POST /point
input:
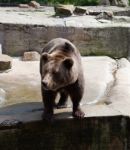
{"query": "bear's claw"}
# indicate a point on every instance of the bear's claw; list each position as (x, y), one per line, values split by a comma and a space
(78, 114)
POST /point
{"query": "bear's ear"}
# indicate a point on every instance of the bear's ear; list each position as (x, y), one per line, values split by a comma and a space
(67, 47)
(45, 56)
(68, 63)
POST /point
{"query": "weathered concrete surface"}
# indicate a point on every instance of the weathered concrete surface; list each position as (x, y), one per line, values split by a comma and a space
(28, 29)
(120, 93)
(98, 72)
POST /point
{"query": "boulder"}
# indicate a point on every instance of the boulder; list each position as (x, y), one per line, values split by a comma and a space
(124, 3)
(105, 15)
(80, 10)
(5, 62)
(96, 12)
(31, 56)
(34, 4)
(64, 10)
(121, 3)
(93, 12)
(23, 6)
(104, 2)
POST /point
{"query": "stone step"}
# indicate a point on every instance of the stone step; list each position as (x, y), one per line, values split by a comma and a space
(92, 36)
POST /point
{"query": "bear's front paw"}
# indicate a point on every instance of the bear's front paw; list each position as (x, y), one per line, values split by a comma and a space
(78, 114)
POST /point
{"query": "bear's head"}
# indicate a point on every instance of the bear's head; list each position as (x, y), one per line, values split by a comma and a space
(57, 71)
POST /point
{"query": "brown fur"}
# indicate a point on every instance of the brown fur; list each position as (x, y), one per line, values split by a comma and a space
(61, 71)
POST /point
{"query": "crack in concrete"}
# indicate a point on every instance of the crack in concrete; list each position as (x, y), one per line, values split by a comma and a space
(111, 88)
(107, 91)
(111, 84)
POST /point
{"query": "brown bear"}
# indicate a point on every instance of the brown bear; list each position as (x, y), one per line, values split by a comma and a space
(61, 72)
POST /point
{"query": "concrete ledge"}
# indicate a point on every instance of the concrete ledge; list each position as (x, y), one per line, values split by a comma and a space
(91, 133)
(30, 30)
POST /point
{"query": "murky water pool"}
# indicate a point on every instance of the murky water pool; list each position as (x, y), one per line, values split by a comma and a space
(17, 93)
(21, 84)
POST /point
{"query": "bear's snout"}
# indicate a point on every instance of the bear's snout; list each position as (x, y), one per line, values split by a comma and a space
(48, 83)
(44, 83)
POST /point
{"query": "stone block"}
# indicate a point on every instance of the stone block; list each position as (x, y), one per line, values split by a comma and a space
(34, 4)
(105, 15)
(93, 12)
(80, 10)
(64, 10)
(31, 56)
(104, 2)
(92, 36)
(5, 62)
(121, 3)
(23, 6)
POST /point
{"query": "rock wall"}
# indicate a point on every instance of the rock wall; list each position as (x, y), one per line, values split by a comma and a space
(111, 41)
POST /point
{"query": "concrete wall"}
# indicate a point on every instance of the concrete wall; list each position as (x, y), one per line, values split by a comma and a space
(111, 133)
(112, 41)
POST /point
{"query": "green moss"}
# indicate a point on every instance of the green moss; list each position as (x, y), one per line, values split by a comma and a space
(75, 2)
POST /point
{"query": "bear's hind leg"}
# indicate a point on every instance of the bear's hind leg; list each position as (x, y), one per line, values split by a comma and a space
(63, 100)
